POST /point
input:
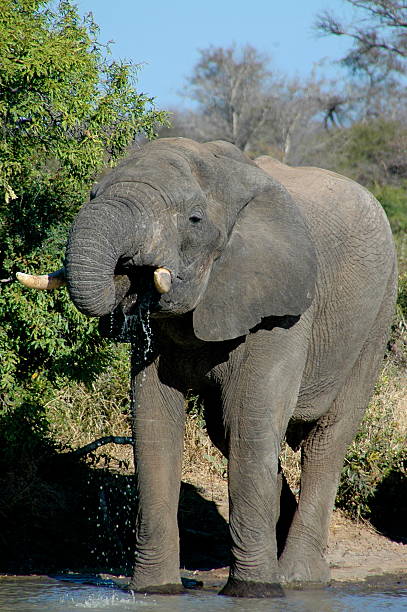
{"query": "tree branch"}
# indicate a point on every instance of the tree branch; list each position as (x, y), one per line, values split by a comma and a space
(88, 448)
(383, 15)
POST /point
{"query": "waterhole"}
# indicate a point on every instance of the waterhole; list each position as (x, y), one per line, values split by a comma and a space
(25, 594)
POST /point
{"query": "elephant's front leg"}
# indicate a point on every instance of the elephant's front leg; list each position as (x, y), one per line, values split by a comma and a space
(158, 428)
(256, 412)
(254, 503)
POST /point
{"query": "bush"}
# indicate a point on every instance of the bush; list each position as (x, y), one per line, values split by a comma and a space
(394, 201)
(66, 113)
(378, 452)
(370, 152)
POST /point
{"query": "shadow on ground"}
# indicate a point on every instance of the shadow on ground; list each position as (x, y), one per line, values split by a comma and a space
(389, 504)
(64, 515)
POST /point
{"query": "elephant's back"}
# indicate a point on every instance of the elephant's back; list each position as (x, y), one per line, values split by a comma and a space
(337, 210)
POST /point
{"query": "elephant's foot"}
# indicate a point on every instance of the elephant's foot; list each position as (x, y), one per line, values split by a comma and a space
(304, 569)
(161, 579)
(158, 589)
(169, 588)
(243, 588)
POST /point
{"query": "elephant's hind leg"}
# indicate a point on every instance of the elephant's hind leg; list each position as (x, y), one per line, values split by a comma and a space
(323, 452)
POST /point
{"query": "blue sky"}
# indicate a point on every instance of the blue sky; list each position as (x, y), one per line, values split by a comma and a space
(166, 36)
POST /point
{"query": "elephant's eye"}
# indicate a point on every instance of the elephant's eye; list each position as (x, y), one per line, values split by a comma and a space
(196, 217)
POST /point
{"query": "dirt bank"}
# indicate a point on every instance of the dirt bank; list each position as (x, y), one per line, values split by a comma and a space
(357, 552)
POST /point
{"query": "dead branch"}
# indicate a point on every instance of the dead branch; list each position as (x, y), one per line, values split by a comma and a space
(88, 448)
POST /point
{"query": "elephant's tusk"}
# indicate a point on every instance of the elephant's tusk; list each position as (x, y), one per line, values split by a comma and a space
(45, 281)
(162, 280)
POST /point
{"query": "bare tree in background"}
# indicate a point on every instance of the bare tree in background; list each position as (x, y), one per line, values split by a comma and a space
(300, 107)
(378, 56)
(380, 37)
(239, 99)
(371, 147)
(229, 87)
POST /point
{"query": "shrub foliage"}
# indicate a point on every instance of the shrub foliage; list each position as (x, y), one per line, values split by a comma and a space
(66, 113)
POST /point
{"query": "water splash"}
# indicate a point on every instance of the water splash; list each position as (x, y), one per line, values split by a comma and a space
(113, 498)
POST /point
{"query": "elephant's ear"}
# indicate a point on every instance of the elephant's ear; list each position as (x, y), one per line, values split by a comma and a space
(268, 268)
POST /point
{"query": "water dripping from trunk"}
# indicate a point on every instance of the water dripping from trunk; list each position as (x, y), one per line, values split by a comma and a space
(114, 542)
(141, 355)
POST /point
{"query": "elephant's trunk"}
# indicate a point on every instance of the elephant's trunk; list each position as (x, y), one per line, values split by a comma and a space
(114, 227)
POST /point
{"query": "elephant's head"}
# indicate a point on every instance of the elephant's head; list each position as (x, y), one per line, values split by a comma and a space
(219, 237)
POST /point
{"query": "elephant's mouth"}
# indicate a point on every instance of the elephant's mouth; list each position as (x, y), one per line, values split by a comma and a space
(136, 291)
(136, 297)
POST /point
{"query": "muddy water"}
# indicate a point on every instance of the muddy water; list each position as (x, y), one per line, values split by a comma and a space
(26, 594)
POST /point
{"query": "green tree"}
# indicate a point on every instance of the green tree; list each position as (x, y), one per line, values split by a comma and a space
(66, 112)
(373, 152)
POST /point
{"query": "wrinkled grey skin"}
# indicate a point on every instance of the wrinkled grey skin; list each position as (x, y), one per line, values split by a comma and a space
(283, 287)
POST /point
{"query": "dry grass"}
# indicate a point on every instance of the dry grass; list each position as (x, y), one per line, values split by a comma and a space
(383, 431)
(291, 465)
(391, 396)
(385, 421)
(204, 466)
(199, 453)
(79, 415)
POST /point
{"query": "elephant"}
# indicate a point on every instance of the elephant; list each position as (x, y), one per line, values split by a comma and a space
(269, 292)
